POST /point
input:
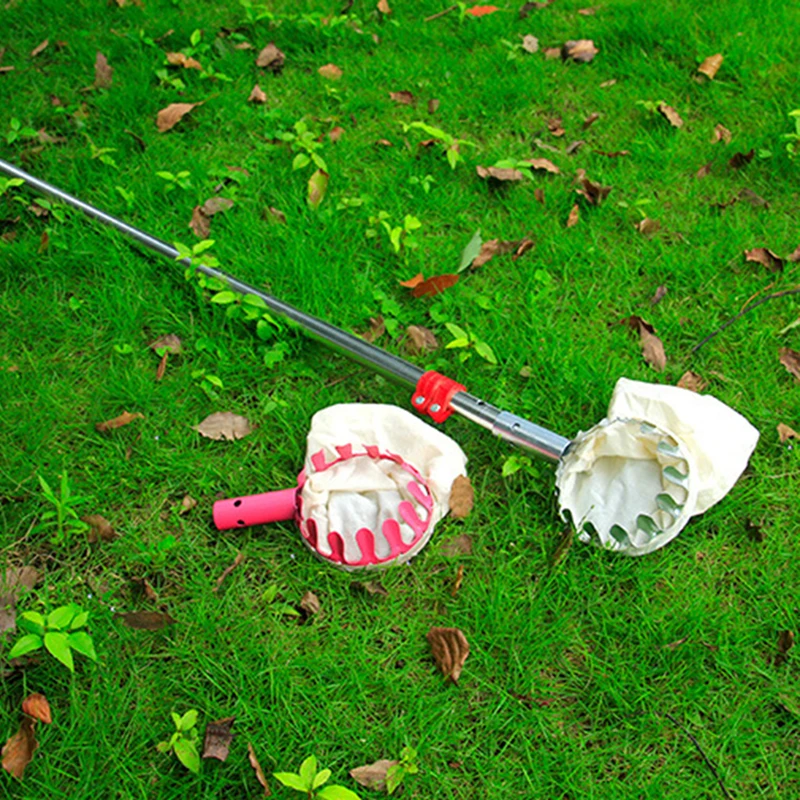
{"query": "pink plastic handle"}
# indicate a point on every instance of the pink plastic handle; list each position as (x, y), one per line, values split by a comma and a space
(255, 509)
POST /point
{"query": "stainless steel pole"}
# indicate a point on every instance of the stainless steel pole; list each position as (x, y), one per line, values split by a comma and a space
(522, 432)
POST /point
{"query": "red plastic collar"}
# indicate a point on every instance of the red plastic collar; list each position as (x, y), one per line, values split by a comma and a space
(433, 395)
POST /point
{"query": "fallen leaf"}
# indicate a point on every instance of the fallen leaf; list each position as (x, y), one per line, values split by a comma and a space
(481, 11)
(580, 50)
(552, 52)
(587, 12)
(794, 257)
(271, 58)
(373, 776)
(44, 242)
(377, 327)
(370, 587)
(462, 497)
(276, 214)
(692, 381)
(660, 294)
(785, 644)
(317, 186)
(574, 216)
(309, 602)
(227, 571)
(100, 529)
(555, 127)
(753, 199)
(613, 153)
(450, 649)
(765, 257)
(606, 84)
(500, 173)
(492, 248)
(334, 134)
(545, 164)
(595, 193)
(676, 644)
(404, 98)
(710, 65)
(522, 247)
(187, 504)
(224, 425)
(704, 171)
(785, 433)
(19, 749)
(125, 418)
(218, 738)
(791, 360)
(671, 115)
(6, 68)
(146, 620)
(420, 340)
(533, 6)
(652, 347)
(411, 283)
(251, 755)
(170, 116)
(590, 120)
(435, 285)
(36, 706)
(384, 143)
(11, 580)
(214, 205)
(243, 46)
(459, 579)
(457, 546)
(103, 73)
(647, 226)
(433, 105)
(538, 195)
(182, 60)
(200, 224)
(169, 343)
(530, 44)
(740, 160)
(144, 586)
(720, 134)
(383, 7)
(257, 95)
(330, 71)
(39, 48)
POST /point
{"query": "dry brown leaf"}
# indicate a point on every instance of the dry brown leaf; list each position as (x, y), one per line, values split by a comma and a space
(36, 706)
(786, 433)
(785, 644)
(462, 497)
(309, 602)
(125, 418)
(373, 776)
(377, 327)
(383, 7)
(257, 95)
(704, 171)
(44, 242)
(224, 425)
(791, 360)
(169, 343)
(6, 68)
(676, 644)
(100, 529)
(574, 216)
(555, 127)
(720, 134)
(753, 199)
(652, 347)
(490, 249)
(457, 546)
(404, 98)
(647, 226)
(435, 285)
(275, 214)
(710, 65)
(499, 173)
(530, 44)
(552, 52)
(587, 12)
(218, 738)
(794, 257)
(330, 71)
(103, 73)
(271, 58)
(251, 755)
(538, 195)
(590, 120)
(573, 147)
(187, 504)
(370, 587)
(613, 153)
(740, 160)
(765, 257)
(458, 580)
(19, 749)
(182, 60)
(243, 46)
(39, 48)
(170, 116)
(522, 247)
(227, 571)
(544, 163)
(433, 105)
(660, 294)
(214, 205)
(200, 224)
(450, 649)
(420, 340)
(606, 84)
(144, 586)
(533, 6)
(146, 620)
(334, 134)
(671, 115)
(580, 50)
(692, 381)
(411, 283)
(595, 193)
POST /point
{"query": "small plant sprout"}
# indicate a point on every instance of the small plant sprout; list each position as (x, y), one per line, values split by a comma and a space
(451, 144)
(308, 781)
(62, 518)
(9, 183)
(467, 341)
(400, 236)
(127, 196)
(178, 180)
(16, 131)
(183, 741)
(193, 253)
(208, 383)
(60, 632)
(391, 311)
(103, 154)
(406, 766)
(519, 463)
(793, 139)
(424, 182)
(305, 143)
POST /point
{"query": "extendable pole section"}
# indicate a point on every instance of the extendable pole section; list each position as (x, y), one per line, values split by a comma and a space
(434, 394)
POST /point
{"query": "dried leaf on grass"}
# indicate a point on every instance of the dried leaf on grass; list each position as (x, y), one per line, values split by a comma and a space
(765, 257)
(251, 755)
(499, 173)
(791, 360)
(420, 340)
(740, 160)
(692, 381)
(170, 116)
(40, 48)
(218, 738)
(652, 347)
(309, 602)
(544, 163)
(145, 620)
(704, 171)
(574, 216)
(459, 579)
(711, 65)
(481, 11)
(432, 286)
(370, 587)
(373, 776)
(182, 60)
(168, 343)
(271, 58)
(555, 127)
(257, 95)
(785, 433)
(100, 529)
(457, 546)
(785, 644)
(595, 193)
(103, 73)
(580, 50)
(530, 44)
(11, 581)
(720, 134)
(462, 497)
(660, 294)
(405, 98)
(450, 649)
(275, 215)
(36, 706)
(330, 71)
(125, 418)
(590, 120)
(377, 327)
(187, 504)
(19, 749)
(613, 153)
(671, 115)
(492, 248)
(383, 7)
(224, 425)
(647, 227)
(522, 247)
(227, 571)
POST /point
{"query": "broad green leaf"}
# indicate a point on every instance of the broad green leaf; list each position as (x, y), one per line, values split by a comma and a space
(453, 157)
(61, 617)
(79, 621)
(308, 769)
(167, 176)
(336, 793)
(319, 162)
(188, 755)
(254, 300)
(457, 343)
(317, 186)
(485, 352)
(31, 621)
(164, 747)
(394, 777)
(176, 718)
(82, 642)
(223, 298)
(300, 160)
(188, 720)
(57, 645)
(291, 780)
(511, 465)
(194, 39)
(322, 777)
(458, 333)
(471, 251)
(411, 223)
(25, 644)
(394, 238)
(201, 247)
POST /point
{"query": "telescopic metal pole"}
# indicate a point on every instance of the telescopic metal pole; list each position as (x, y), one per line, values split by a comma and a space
(519, 431)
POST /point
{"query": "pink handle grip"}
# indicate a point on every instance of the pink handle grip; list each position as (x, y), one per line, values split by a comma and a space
(255, 509)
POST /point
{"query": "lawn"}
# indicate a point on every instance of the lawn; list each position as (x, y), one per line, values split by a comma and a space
(590, 674)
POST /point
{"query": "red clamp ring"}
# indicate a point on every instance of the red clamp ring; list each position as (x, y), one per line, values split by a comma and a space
(433, 395)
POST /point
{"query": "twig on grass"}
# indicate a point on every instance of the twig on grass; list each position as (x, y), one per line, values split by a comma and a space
(440, 13)
(700, 750)
(741, 314)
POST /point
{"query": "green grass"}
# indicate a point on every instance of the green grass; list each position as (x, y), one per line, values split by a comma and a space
(569, 683)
